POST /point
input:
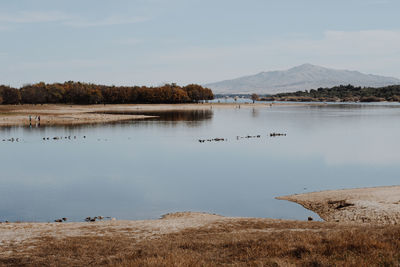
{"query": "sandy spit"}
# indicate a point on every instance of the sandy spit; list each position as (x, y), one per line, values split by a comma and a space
(378, 205)
(17, 115)
(68, 119)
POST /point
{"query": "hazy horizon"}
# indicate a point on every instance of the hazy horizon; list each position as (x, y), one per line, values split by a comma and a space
(155, 42)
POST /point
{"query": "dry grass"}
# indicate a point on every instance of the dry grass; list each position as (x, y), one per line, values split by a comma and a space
(238, 242)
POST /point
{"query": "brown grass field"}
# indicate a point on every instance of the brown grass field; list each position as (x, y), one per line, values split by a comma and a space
(225, 242)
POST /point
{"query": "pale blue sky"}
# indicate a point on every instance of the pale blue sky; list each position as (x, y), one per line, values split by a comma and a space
(151, 42)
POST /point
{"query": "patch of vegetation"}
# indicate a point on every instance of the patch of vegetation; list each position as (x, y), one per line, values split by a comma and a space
(87, 93)
(342, 93)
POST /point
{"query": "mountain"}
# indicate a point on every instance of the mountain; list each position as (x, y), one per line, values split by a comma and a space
(303, 77)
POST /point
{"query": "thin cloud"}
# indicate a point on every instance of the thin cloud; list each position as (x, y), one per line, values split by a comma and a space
(4, 28)
(377, 2)
(128, 41)
(109, 21)
(24, 17)
(372, 42)
(60, 65)
(33, 17)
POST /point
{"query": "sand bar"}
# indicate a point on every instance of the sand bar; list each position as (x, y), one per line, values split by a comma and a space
(378, 205)
(18, 115)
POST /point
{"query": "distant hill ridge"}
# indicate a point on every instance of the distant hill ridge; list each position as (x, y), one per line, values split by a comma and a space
(303, 77)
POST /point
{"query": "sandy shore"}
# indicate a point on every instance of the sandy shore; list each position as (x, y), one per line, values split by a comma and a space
(378, 205)
(11, 233)
(16, 115)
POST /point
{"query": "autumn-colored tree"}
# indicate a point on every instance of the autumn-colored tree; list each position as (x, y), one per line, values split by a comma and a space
(10, 95)
(85, 93)
(34, 94)
(55, 93)
(1, 95)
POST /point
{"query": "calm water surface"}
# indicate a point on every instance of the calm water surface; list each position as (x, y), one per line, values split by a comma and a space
(143, 169)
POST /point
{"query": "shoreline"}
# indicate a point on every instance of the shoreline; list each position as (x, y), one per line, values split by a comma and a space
(372, 205)
(203, 239)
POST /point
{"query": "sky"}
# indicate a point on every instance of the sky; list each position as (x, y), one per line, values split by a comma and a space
(152, 42)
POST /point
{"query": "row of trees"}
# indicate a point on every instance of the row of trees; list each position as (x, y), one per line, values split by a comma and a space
(87, 93)
(345, 93)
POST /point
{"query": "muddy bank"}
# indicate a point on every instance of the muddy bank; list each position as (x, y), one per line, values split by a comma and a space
(378, 205)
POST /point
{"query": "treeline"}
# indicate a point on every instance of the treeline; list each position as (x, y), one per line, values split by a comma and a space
(342, 93)
(87, 93)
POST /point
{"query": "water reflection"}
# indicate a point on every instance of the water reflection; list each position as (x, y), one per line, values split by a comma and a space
(190, 118)
(172, 117)
(254, 112)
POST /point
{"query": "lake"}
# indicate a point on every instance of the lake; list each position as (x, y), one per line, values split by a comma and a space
(143, 169)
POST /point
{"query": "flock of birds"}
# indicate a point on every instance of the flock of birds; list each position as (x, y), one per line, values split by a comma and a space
(248, 136)
(240, 137)
(213, 140)
(200, 140)
(277, 134)
(61, 137)
(55, 138)
(87, 219)
(12, 140)
(93, 219)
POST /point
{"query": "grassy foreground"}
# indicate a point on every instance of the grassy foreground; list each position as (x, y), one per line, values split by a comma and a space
(238, 242)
